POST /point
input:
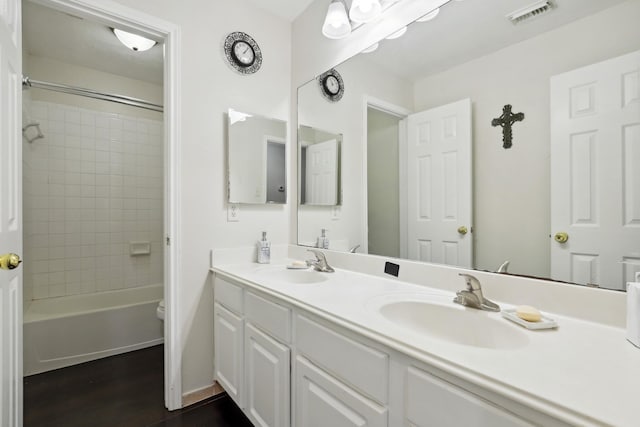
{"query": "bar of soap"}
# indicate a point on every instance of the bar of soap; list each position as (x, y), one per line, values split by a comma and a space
(528, 313)
(298, 263)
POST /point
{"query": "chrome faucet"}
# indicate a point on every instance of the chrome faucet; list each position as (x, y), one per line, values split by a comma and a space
(472, 296)
(503, 267)
(320, 263)
(354, 249)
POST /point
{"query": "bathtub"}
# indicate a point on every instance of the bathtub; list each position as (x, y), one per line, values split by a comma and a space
(65, 331)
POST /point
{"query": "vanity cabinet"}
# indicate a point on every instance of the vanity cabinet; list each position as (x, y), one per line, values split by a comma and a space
(252, 361)
(267, 369)
(228, 352)
(431, 401)
(285, 366)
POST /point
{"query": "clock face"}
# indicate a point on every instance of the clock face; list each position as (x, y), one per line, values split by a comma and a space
(242, 52)
(331, 85)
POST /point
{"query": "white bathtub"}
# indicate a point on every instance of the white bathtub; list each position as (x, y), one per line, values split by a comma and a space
(65, 331)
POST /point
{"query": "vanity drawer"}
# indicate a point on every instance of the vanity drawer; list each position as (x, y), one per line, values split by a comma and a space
(272, 318)
(360, 366)
(229, 295)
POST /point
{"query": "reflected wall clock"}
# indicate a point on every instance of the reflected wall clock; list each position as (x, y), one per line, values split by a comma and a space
(331, 85)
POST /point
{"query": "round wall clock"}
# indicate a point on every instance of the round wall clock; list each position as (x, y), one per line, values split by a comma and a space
(331, 85)
(242, 52)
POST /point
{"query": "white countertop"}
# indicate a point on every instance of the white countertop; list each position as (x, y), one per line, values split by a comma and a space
(583, 373)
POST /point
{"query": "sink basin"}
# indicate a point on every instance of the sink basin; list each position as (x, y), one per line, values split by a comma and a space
(455, 324)
(295, 276)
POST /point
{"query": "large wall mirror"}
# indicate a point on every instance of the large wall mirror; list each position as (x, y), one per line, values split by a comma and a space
(256, 158)
(426, 176)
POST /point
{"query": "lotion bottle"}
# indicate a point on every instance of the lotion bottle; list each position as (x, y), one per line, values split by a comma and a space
(264, 249)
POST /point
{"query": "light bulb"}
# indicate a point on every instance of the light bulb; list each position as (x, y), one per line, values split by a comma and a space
(336, 23)
(363, 11)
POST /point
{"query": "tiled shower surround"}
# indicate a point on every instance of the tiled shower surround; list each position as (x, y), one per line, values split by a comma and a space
(92, 186)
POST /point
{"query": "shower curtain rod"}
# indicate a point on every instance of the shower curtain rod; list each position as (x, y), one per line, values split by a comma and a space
(56, 87)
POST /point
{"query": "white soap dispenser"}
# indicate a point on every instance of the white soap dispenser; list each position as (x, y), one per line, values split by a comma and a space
(323, 241)
(264, 249)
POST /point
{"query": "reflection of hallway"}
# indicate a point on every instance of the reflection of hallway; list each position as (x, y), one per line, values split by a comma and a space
(124, 390)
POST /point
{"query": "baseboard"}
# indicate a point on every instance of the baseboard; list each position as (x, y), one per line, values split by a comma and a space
(201, 394)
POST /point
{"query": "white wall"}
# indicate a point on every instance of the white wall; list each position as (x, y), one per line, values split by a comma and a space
(208, 88)
(383, 187)
(511, 187)
(347, 118)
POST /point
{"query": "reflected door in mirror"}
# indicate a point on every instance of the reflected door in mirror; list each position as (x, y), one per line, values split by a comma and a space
(322, 173)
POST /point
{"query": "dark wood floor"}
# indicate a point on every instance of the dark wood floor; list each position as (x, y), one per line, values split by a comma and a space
(124, 390)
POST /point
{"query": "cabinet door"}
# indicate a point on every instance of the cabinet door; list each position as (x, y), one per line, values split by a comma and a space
(322, 401)
(228, 352)
(430, 401)
(268, 379)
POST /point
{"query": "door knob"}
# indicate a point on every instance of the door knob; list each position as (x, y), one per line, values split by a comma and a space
(9, 261)
(561, 237)
(462, 230)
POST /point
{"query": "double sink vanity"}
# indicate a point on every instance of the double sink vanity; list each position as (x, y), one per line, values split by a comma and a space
(309, 348)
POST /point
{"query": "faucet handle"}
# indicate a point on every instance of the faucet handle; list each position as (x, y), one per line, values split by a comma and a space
(473, 284)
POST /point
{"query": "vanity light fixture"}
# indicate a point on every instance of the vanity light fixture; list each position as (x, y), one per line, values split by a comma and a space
(133, 41)
(363, 11)
(336, 23)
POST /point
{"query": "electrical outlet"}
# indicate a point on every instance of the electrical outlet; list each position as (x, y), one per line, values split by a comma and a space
(233, 212)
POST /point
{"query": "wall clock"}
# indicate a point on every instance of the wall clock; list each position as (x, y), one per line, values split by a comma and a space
(331, 85)
(242, 52)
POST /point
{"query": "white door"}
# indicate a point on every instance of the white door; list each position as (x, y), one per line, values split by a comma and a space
(268, 379)
(10, 213)
(439, 206)
(322, 173)
(595, 173)
(228, 352)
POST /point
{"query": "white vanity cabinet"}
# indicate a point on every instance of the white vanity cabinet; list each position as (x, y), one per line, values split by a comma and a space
(431, 401)
(285, 366)
(252, 358)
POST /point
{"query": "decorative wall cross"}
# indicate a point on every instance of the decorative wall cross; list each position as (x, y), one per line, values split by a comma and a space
(506, 120)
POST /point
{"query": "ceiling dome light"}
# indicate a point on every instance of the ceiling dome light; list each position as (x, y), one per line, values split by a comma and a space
(429, 16)
(363, 11)
(133, 41)
(336, 23)
(371, 48)
(397, 34)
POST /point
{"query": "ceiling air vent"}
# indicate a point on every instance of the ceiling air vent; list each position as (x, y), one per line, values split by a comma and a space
(529, 12)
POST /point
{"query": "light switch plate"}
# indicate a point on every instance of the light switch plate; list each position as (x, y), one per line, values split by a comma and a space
(233, 212)
(335, 213)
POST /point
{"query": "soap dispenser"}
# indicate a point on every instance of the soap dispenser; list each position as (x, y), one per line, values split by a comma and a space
(264, 249)
(323, 241)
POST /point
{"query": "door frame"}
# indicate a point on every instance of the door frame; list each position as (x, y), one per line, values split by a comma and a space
(114, 14)
(401, 113)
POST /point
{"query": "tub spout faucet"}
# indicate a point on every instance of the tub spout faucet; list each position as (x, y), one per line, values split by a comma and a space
(320, 263)
(472, 296)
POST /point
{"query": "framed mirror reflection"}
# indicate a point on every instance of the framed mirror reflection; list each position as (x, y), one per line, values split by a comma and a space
(426, 175)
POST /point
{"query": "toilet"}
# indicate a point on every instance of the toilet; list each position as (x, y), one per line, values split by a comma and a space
(160, 310)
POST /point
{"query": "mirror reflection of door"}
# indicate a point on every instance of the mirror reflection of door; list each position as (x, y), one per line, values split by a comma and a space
(322, 173)
(439, 185)
(276, 172)
(595, 180)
